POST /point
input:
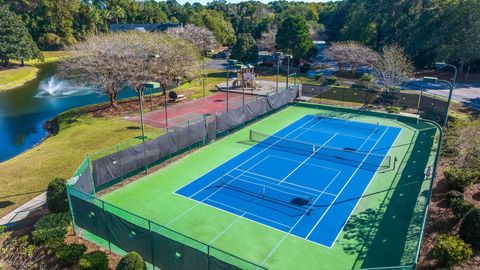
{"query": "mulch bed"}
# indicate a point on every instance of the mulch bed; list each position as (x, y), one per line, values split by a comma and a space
(441, 221)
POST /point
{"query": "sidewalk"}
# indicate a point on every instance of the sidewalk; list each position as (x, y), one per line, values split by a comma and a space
(25, 212)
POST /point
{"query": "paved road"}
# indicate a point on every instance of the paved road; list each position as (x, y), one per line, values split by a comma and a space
(220, 64)
(466, 93)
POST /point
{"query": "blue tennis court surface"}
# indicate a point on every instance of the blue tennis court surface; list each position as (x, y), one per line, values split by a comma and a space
(304, 180)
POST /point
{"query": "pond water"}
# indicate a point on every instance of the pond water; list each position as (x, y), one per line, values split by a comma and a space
(24, 110)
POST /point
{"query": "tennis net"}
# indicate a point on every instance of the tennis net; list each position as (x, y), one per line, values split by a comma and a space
(282, 195)
(355, 158)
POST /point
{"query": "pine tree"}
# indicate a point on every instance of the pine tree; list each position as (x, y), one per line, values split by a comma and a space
(15, 41)
(293, 37)
(245, 50)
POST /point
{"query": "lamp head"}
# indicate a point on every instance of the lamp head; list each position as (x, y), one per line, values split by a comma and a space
(440, 65)
(430, 79)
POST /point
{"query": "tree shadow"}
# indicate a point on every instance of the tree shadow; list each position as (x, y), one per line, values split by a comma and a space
(388, 235)
(4, 204)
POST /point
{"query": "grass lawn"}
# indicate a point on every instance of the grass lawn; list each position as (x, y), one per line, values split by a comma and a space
(12, 78)
(194, 88)
(26, 175)
(283, 78)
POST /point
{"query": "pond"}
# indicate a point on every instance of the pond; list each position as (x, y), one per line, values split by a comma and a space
(24, 110)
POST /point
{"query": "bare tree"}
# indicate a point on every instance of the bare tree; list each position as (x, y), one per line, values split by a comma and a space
(393, 67)
(110, 62)
(200, 36)
(351, 53)
(267, 41)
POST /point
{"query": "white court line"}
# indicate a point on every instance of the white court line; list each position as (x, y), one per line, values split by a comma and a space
(263, 150)
(244, 213)
(331, 132)
(249, 220)
(309, 157)
(268, 182)
(309, 164)
(348, 181)
(289, 183)
(365, 190)
(226, 229)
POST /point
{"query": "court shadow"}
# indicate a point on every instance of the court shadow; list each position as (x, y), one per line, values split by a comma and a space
(388, 235)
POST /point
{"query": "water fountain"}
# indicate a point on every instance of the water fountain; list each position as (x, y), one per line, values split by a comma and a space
(54, 87)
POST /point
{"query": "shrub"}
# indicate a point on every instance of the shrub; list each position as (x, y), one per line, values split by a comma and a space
(459, 179)
(357, 86)
(95, 260)
(331, 81)
(460, 207)
(450, 250)
(366, 78)
(454, 194)
(70, 254)
(57, 201)
(318, 76)
(53, 226)
(132, 261)
(470, 228)
(392, 109)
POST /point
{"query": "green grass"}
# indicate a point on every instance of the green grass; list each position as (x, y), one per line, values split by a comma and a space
(383, 231)
(28, 174)
(12, 78)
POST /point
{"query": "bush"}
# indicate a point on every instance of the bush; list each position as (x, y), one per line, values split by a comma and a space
(357, 86)
(95, 260)
(318, 76)
(70, 254)
(460, 179)
(454, 194)
(392, 109)
(132, 261)
(57, 201)
(53, 226)
(331, 81)
(460, 207)
(470, 228)
(450, 250)
(366, 78)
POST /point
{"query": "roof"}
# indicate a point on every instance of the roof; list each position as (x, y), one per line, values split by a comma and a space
(143, 27)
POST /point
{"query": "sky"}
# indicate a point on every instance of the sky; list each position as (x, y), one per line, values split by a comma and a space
(236, 1)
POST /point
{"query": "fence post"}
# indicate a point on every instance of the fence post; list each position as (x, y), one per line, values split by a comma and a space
(152, 247)
(120, 160)
(106, 227)
(208, 256)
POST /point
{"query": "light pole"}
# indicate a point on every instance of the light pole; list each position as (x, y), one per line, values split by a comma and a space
(278, 54)
(436, 80)
(228, 69)
(442, 65)
(288, 56)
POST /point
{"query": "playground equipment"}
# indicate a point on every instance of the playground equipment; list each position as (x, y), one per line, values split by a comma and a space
(246, 75)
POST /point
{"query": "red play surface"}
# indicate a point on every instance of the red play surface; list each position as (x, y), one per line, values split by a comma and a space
(183, 112)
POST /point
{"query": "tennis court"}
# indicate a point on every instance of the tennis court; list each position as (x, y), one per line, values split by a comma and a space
(305, 180)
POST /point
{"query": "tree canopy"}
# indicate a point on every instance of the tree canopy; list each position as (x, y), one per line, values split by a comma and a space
(15, 41)
(245, 50)
(429, 30)
(293, 37)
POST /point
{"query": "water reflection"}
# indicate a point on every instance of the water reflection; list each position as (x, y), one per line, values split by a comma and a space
(24, 110)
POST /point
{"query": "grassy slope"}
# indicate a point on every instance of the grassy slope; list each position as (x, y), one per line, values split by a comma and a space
(254, 242)
(12, 78)
(26, 175)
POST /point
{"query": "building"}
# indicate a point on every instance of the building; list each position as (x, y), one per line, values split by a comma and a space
(153, 27)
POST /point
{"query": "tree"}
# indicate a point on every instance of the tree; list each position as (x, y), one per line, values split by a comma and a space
(15, 41)
(267, 41)
(393, 67)
(215, 21)
(351, 53)
(293, 37)
(110, 62)
(245, 50)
